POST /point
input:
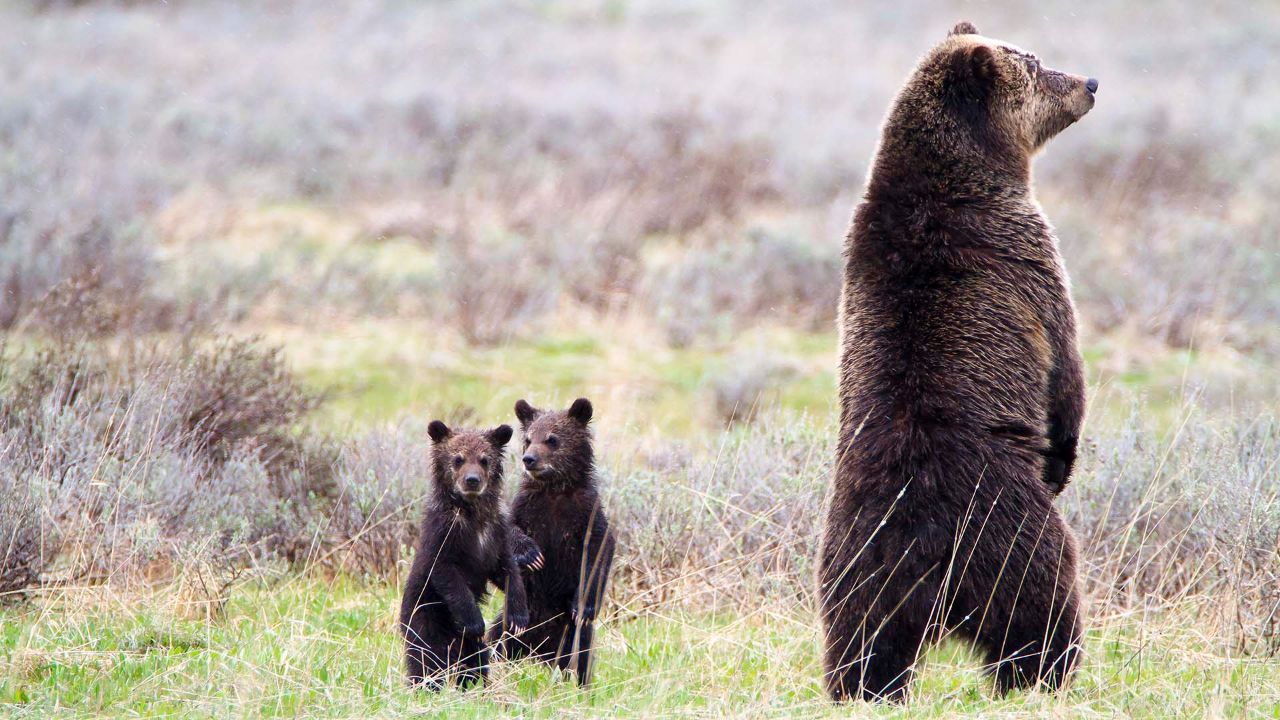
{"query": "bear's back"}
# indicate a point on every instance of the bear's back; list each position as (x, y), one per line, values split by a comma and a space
(939, 319)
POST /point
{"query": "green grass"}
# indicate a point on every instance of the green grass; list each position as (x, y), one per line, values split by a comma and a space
(307, 647)
(379, 371)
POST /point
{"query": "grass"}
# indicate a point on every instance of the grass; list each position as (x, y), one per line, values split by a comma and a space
(378, 371)
(328, 648)
(311, 175)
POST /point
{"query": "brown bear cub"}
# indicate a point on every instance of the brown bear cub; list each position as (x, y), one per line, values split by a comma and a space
(463, 547)
(558, 507)
(961, 388)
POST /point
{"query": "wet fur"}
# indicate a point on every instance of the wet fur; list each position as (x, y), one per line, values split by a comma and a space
(961, 390)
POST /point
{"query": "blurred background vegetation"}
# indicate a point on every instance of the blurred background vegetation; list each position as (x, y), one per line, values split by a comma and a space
(248, 249)
(450, 204)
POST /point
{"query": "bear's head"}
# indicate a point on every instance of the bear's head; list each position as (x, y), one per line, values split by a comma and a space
(557, 443)
(1001, 95)
(467, 464)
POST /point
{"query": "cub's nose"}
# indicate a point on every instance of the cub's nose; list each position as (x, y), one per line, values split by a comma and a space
(471, 483)
(1091, 85)
(529, 461)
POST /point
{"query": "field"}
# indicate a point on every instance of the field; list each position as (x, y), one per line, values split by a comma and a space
(249, 250)
(328, 649)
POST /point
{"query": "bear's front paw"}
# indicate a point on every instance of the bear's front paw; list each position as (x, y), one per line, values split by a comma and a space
(583, 615)
(532, 560)
(473, 625)
(517, 622)
(1055, 474)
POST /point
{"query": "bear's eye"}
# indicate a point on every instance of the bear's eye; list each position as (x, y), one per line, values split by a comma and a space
(484, 463)
(553, 442)
(526, 442)
(457, 461)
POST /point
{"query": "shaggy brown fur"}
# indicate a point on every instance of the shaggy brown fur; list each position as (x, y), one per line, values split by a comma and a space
(961, 387)
(559, 507)
(463, 547)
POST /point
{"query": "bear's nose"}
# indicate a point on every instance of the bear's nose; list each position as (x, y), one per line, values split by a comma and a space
(1091, 85)
(529, 461)
(471, 482)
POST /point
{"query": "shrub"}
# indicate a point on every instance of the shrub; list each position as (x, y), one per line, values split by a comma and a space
(492, 286)
(127, 457)
(382, 481)
(709, 291)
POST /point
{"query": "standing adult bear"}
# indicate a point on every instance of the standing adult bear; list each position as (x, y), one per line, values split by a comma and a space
(961, 386)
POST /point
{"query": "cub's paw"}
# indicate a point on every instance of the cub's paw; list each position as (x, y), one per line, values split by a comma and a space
(531, 560)
(473, 626)
(526, 553)
(517, 623)
(584, 615)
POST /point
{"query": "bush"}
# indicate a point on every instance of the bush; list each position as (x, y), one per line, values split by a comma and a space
(1192, 520)
(28, 541)
(726, 528)
(492, 286)
(123, 459)
(383, 480)
(1195, 517)
(714, 290)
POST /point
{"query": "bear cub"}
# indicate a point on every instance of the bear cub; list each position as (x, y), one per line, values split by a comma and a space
(558, 508)
(464, 546)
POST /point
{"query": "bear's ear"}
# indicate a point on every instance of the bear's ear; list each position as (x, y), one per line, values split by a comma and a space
(580, 410)
(973, 72)
(526, 413)
(500, 436)
(438, 431)
(964, 27)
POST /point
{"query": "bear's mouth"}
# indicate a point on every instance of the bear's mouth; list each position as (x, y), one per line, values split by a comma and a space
(539, 471)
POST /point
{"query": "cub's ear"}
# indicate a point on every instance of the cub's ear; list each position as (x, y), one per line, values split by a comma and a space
(580, 410)
(500, 436)
(438, 431)
(964, 27)
(526, 413)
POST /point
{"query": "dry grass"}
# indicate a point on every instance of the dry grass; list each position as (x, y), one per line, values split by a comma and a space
(480, 163)
(712, 611)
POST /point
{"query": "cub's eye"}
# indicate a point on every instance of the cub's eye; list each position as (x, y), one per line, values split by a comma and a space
(553, 442)
(526, 442)
(457, 461)
(484, 463)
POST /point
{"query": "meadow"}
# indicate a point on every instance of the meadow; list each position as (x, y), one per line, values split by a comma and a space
(249, 250)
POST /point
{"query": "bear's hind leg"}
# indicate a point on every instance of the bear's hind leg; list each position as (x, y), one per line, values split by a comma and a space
(1028, 624)
(472, 664)
(1036, 647)
(425, 664)
(875, 632)
(575, 651)
(874, 665)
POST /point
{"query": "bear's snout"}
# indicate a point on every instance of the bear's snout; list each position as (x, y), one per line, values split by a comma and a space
(471, 483)
(1091, 85)
(530, 461)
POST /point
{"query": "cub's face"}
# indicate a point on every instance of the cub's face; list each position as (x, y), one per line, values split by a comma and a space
(1026, 102)
(556, 443)
(468, 463)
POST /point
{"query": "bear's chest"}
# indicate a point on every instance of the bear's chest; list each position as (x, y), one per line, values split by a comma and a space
(555, 523)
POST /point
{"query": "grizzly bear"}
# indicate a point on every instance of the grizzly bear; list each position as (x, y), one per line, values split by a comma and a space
(558, 506)
(464, 545)
(961, 386)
